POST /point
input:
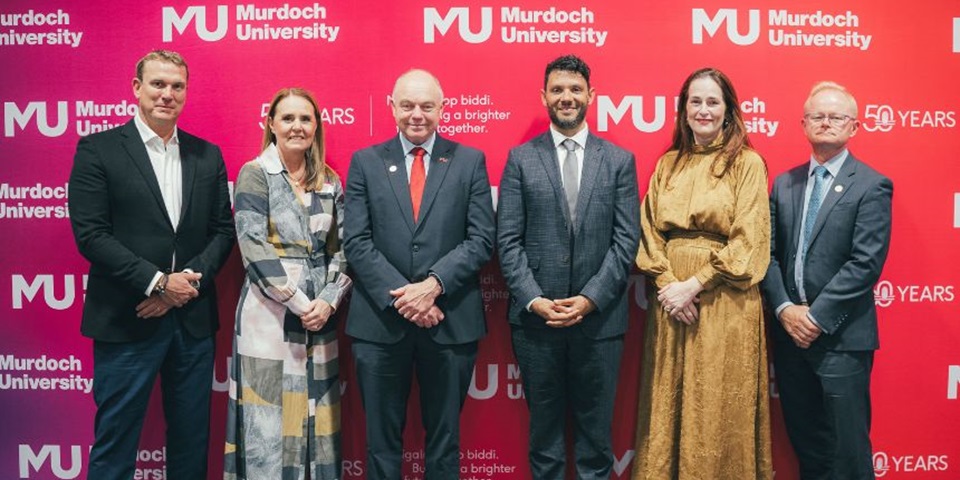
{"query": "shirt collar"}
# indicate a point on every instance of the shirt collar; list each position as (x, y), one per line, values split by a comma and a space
(147, 134)
(833, 165)
(408, 145)
(579, 137)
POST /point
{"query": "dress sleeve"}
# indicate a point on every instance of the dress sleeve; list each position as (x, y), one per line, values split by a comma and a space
(337, 282)
(260, 259)
(652, 255)
(743, 262)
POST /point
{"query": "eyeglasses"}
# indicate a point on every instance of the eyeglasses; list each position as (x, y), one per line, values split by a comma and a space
(835, 120)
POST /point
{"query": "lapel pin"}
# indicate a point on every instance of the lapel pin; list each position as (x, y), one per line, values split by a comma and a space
(393, 168)
(838, 188)
(443, 159)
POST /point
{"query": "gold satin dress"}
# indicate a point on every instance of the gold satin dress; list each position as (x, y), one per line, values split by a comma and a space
(704, 403)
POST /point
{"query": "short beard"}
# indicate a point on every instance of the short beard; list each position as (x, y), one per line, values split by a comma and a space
(567, 124)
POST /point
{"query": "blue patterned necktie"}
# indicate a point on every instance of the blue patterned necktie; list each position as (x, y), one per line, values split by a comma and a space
(816, 199)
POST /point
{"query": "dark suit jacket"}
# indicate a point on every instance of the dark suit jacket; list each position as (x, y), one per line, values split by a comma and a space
(538, 254)
(121, 226)
(848, 247)
(387, 250)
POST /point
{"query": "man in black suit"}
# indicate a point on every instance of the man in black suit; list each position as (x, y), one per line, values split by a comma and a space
(150, 210)
(830, 237)
(418, 226)
(569, 227)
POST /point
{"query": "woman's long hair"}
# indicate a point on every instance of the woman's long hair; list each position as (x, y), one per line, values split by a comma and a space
(318, 172)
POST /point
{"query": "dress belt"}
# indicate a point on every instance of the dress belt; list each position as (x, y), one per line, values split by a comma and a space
(695, 234)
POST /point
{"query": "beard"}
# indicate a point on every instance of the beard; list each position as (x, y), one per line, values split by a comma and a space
(567, 124)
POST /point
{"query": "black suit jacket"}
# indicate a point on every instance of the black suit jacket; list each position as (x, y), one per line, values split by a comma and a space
(121, 226)
(538, 254)
(386, 249)
(848, 248)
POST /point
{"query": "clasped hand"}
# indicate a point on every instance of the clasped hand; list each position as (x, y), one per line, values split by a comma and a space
(795, 321)
(679, 300)
(317, 315)
(179, 290)
(416, 302)
(563, 312)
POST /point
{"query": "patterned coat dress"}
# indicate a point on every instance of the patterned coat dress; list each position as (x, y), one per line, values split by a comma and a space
(284, 408)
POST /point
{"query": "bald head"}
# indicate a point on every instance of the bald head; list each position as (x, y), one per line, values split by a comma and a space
(417, 102)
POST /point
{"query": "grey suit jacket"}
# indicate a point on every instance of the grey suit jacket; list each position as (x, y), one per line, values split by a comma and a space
(386, 249)
(542, 254)
(847, 251)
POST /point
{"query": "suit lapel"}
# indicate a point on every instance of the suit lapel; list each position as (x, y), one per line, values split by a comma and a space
(442, 149)
(841, 185)
(135, 148)
(798, 181)
(188, 167)
(592, 160)
(396, 172)
(551, 164)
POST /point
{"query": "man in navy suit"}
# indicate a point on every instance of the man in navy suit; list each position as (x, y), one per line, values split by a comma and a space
(150, 210)
(418, 225)
(830, 237)
(568, 231)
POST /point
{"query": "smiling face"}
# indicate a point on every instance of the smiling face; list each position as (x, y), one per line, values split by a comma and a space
(293, 124)
(566, 97)
(417, 103)
(705, 109)
(161, 94)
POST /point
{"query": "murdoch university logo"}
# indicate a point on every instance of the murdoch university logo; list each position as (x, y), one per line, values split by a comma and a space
(434, 23)
(609, 111)
(702, 22)
(14, 117)
(50, 458)
(198, 16)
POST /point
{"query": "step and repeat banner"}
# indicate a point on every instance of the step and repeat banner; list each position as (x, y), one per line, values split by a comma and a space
(66, 73)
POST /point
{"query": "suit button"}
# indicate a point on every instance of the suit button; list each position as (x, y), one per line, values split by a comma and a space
(416, 248)
(565, 260)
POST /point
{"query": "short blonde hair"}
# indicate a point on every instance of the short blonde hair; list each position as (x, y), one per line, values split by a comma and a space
(834, 86)
(162, 56)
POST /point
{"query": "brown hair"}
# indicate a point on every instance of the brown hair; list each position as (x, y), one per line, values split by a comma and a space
(162, 56)
(734, 131)
(318, 172)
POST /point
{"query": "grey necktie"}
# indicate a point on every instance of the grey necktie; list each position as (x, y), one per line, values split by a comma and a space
(570, 183)
(816, 199)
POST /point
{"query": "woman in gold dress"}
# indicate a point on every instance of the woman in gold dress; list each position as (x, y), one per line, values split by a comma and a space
(705, 223)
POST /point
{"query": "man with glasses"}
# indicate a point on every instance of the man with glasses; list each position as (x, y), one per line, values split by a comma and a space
(831, 233)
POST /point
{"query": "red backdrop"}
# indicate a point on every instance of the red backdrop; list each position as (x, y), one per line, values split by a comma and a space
(66, 72)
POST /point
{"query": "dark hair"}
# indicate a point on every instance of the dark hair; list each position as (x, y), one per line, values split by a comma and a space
(162, 56)
(734, 131)
(318, 172)
(567, 63)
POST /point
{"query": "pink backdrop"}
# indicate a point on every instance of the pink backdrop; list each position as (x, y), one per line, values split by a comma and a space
(66, 72)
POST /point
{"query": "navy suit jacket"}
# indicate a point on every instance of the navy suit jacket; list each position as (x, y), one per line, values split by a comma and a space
(542, 254)
(848, 247)
(387, 250)
(121, 226)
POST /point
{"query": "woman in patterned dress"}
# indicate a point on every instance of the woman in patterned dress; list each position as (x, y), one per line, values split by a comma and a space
(705, 227)
(284, 411)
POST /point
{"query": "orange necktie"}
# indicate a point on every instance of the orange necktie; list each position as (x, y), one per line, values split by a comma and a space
(418, 176)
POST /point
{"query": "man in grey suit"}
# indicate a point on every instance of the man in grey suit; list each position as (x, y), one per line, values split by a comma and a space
(830, 237)
(418, 226)
(568, 220)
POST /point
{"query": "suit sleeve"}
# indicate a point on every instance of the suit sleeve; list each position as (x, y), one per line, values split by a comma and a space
(773, 285)
(856, 278)
(461, 264)
(511, 226)
(220, 231)
(606, 286)
(259, 256)
(93, 225)
(743, 262)
(373, 272)
(652, 255)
